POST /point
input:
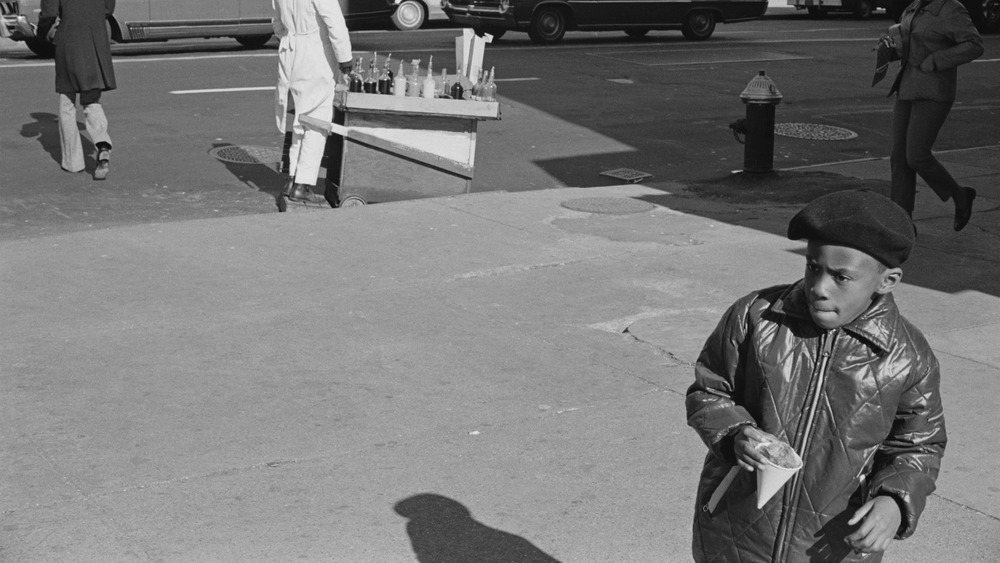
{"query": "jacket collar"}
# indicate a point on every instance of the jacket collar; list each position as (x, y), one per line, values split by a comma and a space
(933, 7)
(876, 326)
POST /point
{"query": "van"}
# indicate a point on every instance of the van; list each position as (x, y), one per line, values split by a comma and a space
(247, 21)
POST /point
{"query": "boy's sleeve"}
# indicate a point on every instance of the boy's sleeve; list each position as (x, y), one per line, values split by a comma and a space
(711, 408)
(907, 464)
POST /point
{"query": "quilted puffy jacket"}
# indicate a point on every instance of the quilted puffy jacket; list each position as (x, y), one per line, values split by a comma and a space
(860, 404)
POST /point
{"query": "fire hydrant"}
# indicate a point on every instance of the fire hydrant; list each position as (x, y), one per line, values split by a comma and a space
(760, 96)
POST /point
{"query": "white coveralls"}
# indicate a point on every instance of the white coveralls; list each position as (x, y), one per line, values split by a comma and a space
(314, 39)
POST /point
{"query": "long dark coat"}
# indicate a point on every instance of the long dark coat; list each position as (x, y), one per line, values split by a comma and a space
(83, 48)
(860, 403)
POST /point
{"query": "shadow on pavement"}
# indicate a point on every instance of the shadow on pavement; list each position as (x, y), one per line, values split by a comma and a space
(443, 530)
(259, 176)
(942, 260)
(45, 128)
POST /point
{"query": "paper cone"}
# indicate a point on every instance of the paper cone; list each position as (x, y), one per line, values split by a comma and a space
(773, 477)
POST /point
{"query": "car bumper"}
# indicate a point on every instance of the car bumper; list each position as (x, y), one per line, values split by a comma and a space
(17, 28)
(500, 16)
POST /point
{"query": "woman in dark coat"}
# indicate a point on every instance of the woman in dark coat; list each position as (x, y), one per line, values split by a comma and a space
(83, 66)
(937, 36)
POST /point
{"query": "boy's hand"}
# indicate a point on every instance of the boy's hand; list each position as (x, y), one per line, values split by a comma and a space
(745, 444)
(880, 518)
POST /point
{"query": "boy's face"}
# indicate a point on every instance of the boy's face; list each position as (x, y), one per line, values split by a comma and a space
(841, 282)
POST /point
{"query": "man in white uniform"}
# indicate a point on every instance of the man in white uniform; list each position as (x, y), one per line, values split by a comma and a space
(314, 40)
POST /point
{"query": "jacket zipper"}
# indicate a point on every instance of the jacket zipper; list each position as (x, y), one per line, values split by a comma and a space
(784, 527)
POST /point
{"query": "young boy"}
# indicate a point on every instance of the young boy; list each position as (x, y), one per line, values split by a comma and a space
(828, 365)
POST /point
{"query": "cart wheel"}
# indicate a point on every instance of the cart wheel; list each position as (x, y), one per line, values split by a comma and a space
(352, 201)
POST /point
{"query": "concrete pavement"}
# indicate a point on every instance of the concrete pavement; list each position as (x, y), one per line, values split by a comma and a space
(489, 377)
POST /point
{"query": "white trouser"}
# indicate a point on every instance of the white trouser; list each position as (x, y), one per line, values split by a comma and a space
(308, 145)
(69, 131)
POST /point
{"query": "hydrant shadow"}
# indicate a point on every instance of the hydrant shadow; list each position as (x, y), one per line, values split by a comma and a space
(442, 530)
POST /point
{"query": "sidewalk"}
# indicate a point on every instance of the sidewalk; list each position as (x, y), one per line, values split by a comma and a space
(342, 385)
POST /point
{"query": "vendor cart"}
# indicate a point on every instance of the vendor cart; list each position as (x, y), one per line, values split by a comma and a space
(389, 148)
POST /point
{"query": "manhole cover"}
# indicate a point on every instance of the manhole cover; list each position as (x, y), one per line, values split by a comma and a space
(613, 205)
(629, 175)
(813, 131)
(242, 154)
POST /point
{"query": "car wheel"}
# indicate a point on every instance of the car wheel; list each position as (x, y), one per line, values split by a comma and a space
(41, 48)
(990, 22)
(253, 40)
(636, 32)
(548, 25)
(410, 15)
(495, 32)
(699, 25)
(862, 9)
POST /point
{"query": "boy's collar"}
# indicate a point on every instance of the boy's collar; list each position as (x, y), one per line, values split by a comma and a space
(875, 326)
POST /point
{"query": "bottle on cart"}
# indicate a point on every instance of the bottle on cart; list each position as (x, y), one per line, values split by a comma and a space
(490, 88)
(442, 88)
(428, 87)
(399, 82)
(357, 82)
(413, 81)
(371, 78)
(457, 92)
(477, 86)
(384, 85)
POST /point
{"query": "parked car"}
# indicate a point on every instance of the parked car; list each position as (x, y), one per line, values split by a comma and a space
(546, 21)
(413, 14)
(984, 13)
(247, 21)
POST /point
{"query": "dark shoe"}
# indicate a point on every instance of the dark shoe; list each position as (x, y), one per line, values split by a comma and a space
(304, 193)
(289, 186)
(963, 209)
(103, 161)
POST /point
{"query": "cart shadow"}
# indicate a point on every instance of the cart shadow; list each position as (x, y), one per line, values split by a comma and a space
(442, 530)
(264, 177)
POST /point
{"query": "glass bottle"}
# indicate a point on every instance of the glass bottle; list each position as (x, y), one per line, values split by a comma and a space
(413, 81)
(399, 82)
(490, 89)
(457, 91)
(442, 88)
(427, 86)
(371, 79)
(384, 85)
(357, 83)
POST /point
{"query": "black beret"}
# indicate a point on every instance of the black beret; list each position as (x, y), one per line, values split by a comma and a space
(860, 219)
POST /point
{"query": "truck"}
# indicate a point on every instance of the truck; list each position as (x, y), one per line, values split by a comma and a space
(246, 21)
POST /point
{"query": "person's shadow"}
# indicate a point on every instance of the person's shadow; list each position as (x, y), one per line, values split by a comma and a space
(442, 530)
(45, 128)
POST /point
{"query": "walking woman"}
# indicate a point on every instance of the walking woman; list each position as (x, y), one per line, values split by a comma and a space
(83, 67)
(314, 42)
(937, 36)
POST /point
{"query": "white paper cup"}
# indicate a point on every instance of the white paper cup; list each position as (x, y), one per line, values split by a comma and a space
(773, 477)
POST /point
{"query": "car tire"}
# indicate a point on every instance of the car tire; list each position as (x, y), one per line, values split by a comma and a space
(253, 40)
(496, 33)
(987, 16)
(547, 26)
(637, 33)
(699, 25)
(862, 9)
(42, 48)
(409, 15)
